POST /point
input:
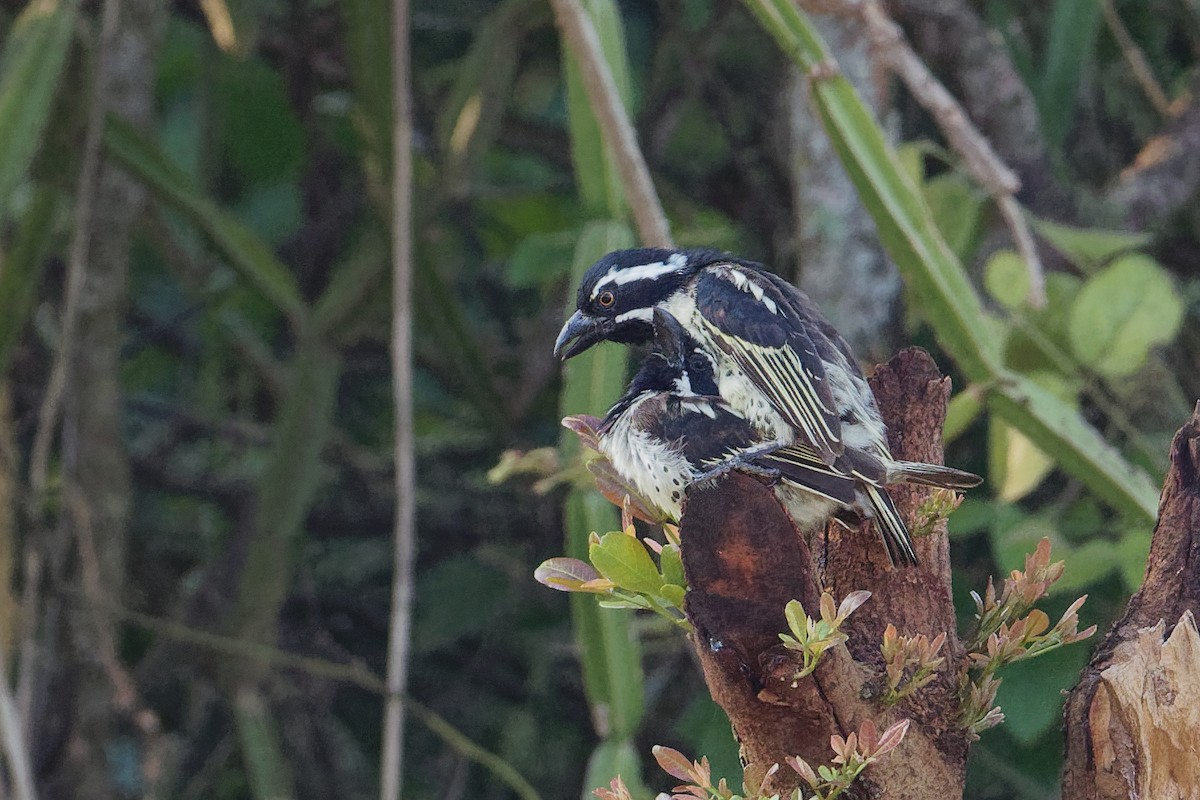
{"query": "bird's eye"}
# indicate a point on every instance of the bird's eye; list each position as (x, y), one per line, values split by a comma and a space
(606, 299)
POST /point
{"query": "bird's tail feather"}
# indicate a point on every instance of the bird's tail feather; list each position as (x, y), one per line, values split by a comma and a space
(931, 475)
(891, 528)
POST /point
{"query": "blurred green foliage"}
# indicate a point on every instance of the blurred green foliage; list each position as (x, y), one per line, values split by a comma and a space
(257, 396)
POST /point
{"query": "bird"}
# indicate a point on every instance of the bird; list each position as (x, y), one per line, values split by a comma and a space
(777, 362)
(671, 430)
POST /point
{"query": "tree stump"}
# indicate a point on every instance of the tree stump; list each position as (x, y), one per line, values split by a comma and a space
(745, 560)
(1133, 721)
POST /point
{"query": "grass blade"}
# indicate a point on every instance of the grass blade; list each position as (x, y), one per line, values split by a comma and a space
(29, 71)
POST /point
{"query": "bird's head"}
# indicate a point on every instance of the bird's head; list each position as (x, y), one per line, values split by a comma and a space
(619, 292)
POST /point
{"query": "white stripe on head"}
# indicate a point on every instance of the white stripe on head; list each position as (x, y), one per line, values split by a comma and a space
(620, 276)
(645, 314)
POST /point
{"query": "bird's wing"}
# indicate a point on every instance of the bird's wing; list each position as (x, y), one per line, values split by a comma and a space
(703, 428)
(759, 328)
(801, 465)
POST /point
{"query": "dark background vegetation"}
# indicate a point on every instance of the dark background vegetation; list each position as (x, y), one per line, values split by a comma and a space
(218, 498)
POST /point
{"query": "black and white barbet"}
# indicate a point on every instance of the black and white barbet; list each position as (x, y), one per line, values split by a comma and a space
(777, 362)
(672, 428)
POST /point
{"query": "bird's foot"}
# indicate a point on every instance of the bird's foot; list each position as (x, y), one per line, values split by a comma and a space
(742, 462)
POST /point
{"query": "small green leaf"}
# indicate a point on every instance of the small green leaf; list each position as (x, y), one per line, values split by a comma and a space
(1089, 248)
(564, 574)
(673, 593)
(1007, 279)
(671, 560)
(1121, 312)
(623, 559)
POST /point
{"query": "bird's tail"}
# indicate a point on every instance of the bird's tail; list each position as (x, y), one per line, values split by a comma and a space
(931, 475)
(893, 530)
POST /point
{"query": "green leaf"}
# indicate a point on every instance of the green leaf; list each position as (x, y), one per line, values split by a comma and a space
(623, 559)
(30, 66)
(1007, 279)
(1089, 248)
(609, 650)
(1121, 312)
(673, 593)
(596, 176)
(612, 758)
(1087, 564)
(1016, 465)
(671, 560)
(1012, 538)
(1059, 429)
(369, 58)
(241, 248)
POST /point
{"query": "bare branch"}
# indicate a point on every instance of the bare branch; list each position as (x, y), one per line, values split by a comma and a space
(400, 623)
(980, 160)
(580, 35)
(1136, 58)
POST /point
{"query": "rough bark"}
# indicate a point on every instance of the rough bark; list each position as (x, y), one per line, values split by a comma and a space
(1132, 724)
(745, 560)
(842, 266)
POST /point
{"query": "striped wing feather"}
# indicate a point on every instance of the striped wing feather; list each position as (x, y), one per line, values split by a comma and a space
(760, 328)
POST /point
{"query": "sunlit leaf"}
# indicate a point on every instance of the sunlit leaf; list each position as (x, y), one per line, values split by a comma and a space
(625, 561)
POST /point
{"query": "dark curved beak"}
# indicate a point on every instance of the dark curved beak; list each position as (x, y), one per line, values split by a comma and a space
(579, 333)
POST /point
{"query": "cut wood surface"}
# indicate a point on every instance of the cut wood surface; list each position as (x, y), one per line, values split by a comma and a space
(1133, 721)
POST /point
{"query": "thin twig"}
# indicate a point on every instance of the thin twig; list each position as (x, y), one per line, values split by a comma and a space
(51, 408)
(400, 622)
(12, 739)
(1142, 72)
(355, 674)
(126, 697)
(580, 35)
(980, 160)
